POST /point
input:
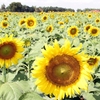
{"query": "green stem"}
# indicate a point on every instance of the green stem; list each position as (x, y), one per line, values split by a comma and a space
(34, 88)
(4, 73)
(28, 72)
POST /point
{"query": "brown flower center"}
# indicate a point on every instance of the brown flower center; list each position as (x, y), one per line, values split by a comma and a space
(61, 23)
(44, 17)
(49, 29)
(92, 61)
(7, 50)
(89, 16)
(73, 31)
(63, 70)
(22, 22)
(30, 23)
(97, 20)
(4, 24)
(94, 31)
(87, 28)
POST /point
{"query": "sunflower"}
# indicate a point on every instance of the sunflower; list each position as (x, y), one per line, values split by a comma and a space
(52, 16)
(5, 18)
(97, 20)
(10, 50)
(89, 15)
(66, 20)
(61, 23)
(94, 31)
(4, 24)
(22, 22)
(44, 18)
(61, 70)
(73, 14)
(41, 13)
(87, 27)
(93, 62)
(31, 22)
(73, 31)
(27, 42)
(49, 28)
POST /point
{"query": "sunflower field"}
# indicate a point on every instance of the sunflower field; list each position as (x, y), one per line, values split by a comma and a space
(50, 56)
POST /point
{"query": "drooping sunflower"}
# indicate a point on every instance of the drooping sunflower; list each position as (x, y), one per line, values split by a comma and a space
(31, 22)
(73, 31)
(94, 31)
(49, 28)
(44, 18)
(22, 22)
(61, 70)
(41, 13)
(87, 27)
(10, 50)
(4, 24)
(61, 23)
(97, 20)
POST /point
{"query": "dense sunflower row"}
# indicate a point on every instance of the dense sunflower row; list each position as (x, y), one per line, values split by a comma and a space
(69, 43)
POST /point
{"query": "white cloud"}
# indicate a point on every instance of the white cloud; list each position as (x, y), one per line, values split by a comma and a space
(82, 1)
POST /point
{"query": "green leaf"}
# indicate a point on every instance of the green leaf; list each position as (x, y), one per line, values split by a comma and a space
(31, 96)
(97, 97)
(1, 99)
(20, 76)
(88, 96)
(76, 42)
(10, 76)
(1, 82)
(12, 91)
(91, 87)
(98, 74)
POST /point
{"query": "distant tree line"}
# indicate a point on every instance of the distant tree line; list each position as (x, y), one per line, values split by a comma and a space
(18, 7)
(87, 10)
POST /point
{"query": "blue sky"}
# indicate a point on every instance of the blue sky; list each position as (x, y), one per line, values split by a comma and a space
(74, 4)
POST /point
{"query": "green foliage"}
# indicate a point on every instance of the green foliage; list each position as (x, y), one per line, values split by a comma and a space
(19, 84)
(15, 7)
(31, 96)
(13, 90)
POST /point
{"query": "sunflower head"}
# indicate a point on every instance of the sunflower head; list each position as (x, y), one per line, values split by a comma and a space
(62, 70)
(49, 28)
(5, 18)
(61, 23)
(66, 20)
(89, 15)
(87, 27)
(94, 31)
(97, 20)
(73, 31)
(52, 16)
(27, 42)
(93, 62)
(22, 22)
(44, 18)
(10, 50)
(31, 22)
(4, 24)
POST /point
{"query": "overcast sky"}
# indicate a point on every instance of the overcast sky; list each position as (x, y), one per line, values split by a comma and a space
(74, 4)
